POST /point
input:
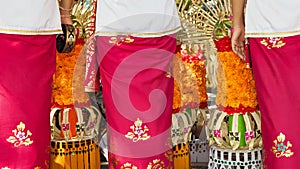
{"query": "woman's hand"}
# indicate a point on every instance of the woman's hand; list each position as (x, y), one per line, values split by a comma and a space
(238, 36)
(238, 41)
(65, 8)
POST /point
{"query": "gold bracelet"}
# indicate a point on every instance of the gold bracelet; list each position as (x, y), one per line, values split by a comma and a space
(65, 9)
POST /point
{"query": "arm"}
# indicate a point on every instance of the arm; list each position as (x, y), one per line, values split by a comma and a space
(238, 12)
(65, 42)
(65, 8)
(238, 36)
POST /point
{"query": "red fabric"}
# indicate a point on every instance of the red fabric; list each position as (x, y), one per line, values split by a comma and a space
(92, 78)
(27, 64)
(276, 72)
(135, 86)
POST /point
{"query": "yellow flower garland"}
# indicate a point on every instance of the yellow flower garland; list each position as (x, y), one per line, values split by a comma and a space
(68, 86)
(236, 85)
(190, 82)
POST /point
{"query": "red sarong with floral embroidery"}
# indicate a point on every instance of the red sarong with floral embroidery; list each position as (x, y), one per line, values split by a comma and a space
(138, 95)
(276, 68)
(27, 64)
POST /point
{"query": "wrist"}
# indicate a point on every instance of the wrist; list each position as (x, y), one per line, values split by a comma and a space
(238, 24)
(65, 6)
(62, 9)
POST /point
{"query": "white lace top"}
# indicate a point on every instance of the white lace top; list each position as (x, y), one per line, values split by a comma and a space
(141, 18)
(272, 18)
(29, 17)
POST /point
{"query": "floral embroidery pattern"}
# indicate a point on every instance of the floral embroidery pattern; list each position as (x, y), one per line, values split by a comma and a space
(156, 164)
(128, 166)
(168, 75)
(121, 40)
(20, 137)
(113, 160)
(139, 131)
(273, 42)
(281, 148)
(169, 155)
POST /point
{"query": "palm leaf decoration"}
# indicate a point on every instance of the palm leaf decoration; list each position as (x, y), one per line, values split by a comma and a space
(83, 17)
(204, 21)
(211, 17)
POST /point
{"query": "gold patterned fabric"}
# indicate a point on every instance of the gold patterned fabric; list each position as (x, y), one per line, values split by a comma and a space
(181, 156)
(75, 154)
(275, 63)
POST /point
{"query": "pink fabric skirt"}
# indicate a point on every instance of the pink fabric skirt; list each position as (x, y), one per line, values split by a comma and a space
(27, 64)
(138, 95)
(276, 68)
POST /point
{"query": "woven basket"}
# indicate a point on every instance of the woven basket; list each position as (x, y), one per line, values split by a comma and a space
(74, 138)
(75, 154)
(238, 159)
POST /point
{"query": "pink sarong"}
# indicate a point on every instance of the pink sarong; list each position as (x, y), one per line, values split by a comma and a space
(138, 95)
(276, 68)
(27, 64)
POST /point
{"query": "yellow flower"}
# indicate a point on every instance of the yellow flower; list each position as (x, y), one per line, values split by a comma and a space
(235, 82)
(68, 80)
(190, 82)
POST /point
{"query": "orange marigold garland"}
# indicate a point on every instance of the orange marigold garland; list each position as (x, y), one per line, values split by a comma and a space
(236, 123)
(190, 97)
(68, 88)
(236, 86)
(189, 73)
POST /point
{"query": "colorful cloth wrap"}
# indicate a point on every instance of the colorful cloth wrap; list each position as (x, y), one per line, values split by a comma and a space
(138, 94)
(27, 65)
(276, 69)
